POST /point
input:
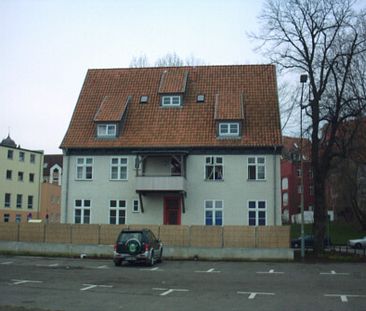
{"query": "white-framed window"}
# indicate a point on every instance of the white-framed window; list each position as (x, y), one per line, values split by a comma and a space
(256, 168)
(19, 200)
(82, 211)
(30, 201)
(285, 198)
(84, 168)
(32, 158)
(21, 156)
(119, 168)
(7, 200)
(228, 129)
(214, 212)
(257, 211)
(171, 100)
(136, 206)
(117, 212)
(284, 183)
(106, 130)
(214, 168)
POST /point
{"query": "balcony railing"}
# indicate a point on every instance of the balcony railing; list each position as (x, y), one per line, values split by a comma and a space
(160, 183)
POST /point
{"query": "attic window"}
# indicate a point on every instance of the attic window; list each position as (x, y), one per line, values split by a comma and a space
(200, 98)
(144, 99)
(106, 130)
(171, 100)
(228, 129)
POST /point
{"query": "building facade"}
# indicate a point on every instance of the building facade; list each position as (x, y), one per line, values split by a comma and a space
(177, 145)
(20, 182)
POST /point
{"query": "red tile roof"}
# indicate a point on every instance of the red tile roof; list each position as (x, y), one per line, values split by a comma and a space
(192, 125)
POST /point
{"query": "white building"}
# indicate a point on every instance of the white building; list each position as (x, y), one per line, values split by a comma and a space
(182, 145)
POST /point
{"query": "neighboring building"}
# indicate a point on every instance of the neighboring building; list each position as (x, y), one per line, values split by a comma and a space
(20, 182)
(51, 188)
(176, 145)
(291, 180)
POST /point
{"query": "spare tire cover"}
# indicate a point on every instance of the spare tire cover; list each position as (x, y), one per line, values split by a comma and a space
(133, 246)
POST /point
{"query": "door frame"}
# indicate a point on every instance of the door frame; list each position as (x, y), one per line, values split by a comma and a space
(166, 215)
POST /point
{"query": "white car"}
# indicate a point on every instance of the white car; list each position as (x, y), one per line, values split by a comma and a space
(357, 243)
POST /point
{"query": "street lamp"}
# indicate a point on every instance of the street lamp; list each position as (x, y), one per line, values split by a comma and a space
(303, 79)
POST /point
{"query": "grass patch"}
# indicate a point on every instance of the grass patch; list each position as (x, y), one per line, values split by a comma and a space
(339, 233)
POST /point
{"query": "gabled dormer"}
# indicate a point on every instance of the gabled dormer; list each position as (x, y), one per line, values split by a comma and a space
(111, 116)
(229, 115)
(172, 87)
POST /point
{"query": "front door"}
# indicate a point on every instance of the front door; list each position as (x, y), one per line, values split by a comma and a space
(172, 211)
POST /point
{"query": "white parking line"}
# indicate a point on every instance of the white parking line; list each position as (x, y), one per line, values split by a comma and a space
(343, 297)
(6, 263)
(91, 286)
(333, 273)
(168, 291)
(18, 282)
(102, 267)
(151, 269)
(212, 270)
(252, 295)
(270, 272)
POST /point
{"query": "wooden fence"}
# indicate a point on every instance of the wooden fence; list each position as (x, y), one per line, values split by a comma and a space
(179, 236)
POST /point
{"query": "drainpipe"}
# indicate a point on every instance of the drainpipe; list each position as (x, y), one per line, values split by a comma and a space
(40, 183)
(65, 183)
(274, 186)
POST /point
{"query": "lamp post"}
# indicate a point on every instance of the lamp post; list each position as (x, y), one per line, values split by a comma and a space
(303, 79)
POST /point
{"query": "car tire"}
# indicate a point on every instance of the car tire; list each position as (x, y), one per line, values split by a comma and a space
(151, 260)
(118, 263)
(160, 259)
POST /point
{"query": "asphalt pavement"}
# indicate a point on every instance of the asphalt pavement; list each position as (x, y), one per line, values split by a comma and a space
(39, 283)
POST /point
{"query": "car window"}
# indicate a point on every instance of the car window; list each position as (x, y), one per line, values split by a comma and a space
(125, 236)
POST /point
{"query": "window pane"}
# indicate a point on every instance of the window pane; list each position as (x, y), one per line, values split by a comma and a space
(260, 160)
(219, 160)
(208, 218)
(122, 204)
(122, 217)
(218, 172)
(251, 172)
(113, 203)
(123, 173)
(123, 160)
(208, 160)
(261, 204)
(114, 160)
(80, 160)
(251, 160)
(224, 128)
(166, 100)
(77, 216)
(208, 204)
(218, 218)
(209, 173)
(89, 171)
(79, 172)
(218, 204)
(176, 100)
(112, 217)
(114, 172)
(89, 161)
(261, 174)
(87, 203)
(86, 216)
(251, 204)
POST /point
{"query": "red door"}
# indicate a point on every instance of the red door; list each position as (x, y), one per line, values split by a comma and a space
(172, 211)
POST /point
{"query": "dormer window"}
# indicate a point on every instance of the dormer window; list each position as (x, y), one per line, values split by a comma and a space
(106, 130)
(229, 129)
(171, 100)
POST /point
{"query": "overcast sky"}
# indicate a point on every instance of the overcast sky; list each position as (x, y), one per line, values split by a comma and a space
(47, 46)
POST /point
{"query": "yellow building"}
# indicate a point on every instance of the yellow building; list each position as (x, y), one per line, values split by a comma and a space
(20, 182)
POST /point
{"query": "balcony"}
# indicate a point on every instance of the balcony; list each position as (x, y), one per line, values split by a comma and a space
(160, 183)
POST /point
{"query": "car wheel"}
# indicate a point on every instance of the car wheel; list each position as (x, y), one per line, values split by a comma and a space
(160, 259)
(358, 245)
(118, 263)
(151, 260)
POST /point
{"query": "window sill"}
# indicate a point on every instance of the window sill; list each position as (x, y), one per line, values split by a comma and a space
(214, 180)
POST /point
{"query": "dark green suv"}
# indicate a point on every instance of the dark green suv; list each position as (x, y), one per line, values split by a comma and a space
(137, 246)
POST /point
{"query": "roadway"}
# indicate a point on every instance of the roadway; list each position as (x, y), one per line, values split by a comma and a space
(40, 283)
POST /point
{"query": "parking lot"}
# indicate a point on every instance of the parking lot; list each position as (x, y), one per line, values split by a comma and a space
(86, 284)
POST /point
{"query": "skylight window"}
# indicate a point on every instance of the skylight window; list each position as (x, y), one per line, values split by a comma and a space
(144, 99)
(200, 98)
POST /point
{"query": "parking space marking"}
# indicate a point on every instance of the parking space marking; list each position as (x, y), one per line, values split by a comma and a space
(151, 269)
(18, 282)
(6, 263)
(344, 298)
(333, 273)
(91, 286)
(252, 295)
(212, 270)
(168, 291)
(270, 272)
(102, 267)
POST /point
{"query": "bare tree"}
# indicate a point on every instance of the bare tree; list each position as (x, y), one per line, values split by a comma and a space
(168, 60)
(325, 39)
(140, 61)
